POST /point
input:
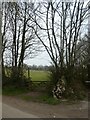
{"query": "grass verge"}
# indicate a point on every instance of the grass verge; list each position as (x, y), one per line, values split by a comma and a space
(13, 91)
(41, 99)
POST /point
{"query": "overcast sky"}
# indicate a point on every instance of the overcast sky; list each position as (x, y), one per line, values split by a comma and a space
(41, 59)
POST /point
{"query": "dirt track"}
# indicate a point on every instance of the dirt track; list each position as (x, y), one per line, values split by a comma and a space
(49, 111)
(11, 112)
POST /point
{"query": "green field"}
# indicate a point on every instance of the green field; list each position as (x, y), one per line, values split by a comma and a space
(37, 75)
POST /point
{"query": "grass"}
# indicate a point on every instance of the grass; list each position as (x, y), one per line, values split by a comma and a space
(22, 94)
(41, 99)
(49, 100)
(37, 75)
(12, 91)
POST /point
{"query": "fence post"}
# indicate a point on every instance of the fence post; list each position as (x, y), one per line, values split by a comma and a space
(28, 73)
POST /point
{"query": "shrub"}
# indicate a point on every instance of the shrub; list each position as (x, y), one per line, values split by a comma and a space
(75, 90)
(73, 87)
(17, 79)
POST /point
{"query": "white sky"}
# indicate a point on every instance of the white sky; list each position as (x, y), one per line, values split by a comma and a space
(41, 59)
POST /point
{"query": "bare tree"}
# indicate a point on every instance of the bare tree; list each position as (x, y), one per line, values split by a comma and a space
(5, 26)
(19, 39)
(23, 42)
(61, 24)
(61, 28)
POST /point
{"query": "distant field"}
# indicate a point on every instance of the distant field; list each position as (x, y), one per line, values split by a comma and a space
(38, 75)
